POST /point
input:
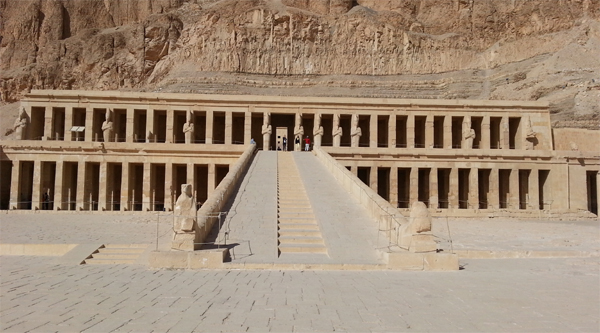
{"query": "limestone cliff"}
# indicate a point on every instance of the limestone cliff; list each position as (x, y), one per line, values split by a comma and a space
(505, 49)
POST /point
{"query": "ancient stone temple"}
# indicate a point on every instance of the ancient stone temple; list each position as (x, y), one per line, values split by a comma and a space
(126, 151)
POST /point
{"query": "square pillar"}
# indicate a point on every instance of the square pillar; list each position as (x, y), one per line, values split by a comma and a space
(129, 126)
(534, 190)
(494, 186)
(354, 170)
(394, 186)
(89, 125)
(209, 127)
(125, 187)
(102, 200)
(15, 179)
(453, 195)
(170, 125)
(68, 125)
(429, 132)
(190, 179)
(447, 132)
(433, 188)
(392, 139)
(513, 189)
(150, 136)
(473, 188)
(485, 133)
(414, 183)
(465, 129)
(373, 132)
(58, 186)
(373, 178)
(37, 183)
(47, 124)
(169, 190)
(247, 127)
(211, 179)
(146, 188)
(410, 134)
(228, 127)
(504, 137)
(81, 186)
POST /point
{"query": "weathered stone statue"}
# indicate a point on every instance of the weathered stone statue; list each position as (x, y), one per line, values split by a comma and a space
(317, 130)
(266, 130)
(530, 135)
(298, 130)
(20, 126)
(185, 210)
(468, 136)
(416, 235)
(337, 131)
(184, 233)
(107, 127)
(188, 129)
(356, 132)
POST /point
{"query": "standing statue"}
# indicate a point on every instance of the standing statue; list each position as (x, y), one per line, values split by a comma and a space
(468, 135)
(298, 129)
(337, 131)
(188, 128)
(20, 126)
(356, 132)
(107, 127)
(185, 213)
(266, 130)
(317, 131)
(530, 135)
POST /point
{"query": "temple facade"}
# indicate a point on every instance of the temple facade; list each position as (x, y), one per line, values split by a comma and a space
(127, 151)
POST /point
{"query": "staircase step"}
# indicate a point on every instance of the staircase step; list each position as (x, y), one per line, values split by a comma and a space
(298, 226)
(307, 248)
(299, 233)
(108, 261)
(301, 240)
(122, 246)
(121, 250)
(102, 255)
(286, 215)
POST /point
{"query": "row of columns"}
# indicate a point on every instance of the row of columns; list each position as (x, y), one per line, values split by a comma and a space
(84, 185)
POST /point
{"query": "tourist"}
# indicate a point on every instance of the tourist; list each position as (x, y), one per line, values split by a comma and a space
(306, 144)
(297, 143)
(284, 143)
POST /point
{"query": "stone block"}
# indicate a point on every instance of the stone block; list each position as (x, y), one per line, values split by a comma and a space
(422, 261)
(168, 259)
(440, 262)
(207, 258)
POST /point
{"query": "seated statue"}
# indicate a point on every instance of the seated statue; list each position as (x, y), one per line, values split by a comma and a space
(185, 210)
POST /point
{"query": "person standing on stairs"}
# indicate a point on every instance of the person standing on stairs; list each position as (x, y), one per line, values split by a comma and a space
(297, 143)
(306, 143)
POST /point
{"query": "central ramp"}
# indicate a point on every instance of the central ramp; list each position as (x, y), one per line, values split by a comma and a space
(290, 210)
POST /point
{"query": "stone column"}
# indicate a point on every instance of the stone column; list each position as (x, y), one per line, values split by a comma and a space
(68, 124)
(103, 184)
(209, 127)
(433, 189)
(58, 186)
(494, 193)
(48, 135)
(448, 132)
(392, 136)
(190, 175)
(37, 186)
(336, 131)
(228, 128)
(394, 186)
(373, 131)
(473, 189)
(125, 187)
(453, 193)
(485, 133)
(146, 188)
(266, 131)
(89, 125)
(354, 170)
(170, 124)
(373, 178)
(211, 179)
(129, 130)
(247, 127)
(504, 134)
(429, 131)
(317, 131)
(513, 195)
(465, 128)
(82, 184)
(150, 136)
(534, 190)
(15, 182)
(169, 188)
(410, 132)
(414, 185)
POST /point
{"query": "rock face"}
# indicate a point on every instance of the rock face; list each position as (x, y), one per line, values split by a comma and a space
(506, 49)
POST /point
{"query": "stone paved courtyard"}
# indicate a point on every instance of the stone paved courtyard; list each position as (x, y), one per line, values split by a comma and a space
(43, 294)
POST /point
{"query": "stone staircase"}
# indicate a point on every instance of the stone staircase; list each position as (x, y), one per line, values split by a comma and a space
(111, 254)
(297, 227)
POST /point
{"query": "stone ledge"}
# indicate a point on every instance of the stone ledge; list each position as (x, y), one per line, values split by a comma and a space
(431, 261)
(492, 254)
(56, 250)
(188, 259)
